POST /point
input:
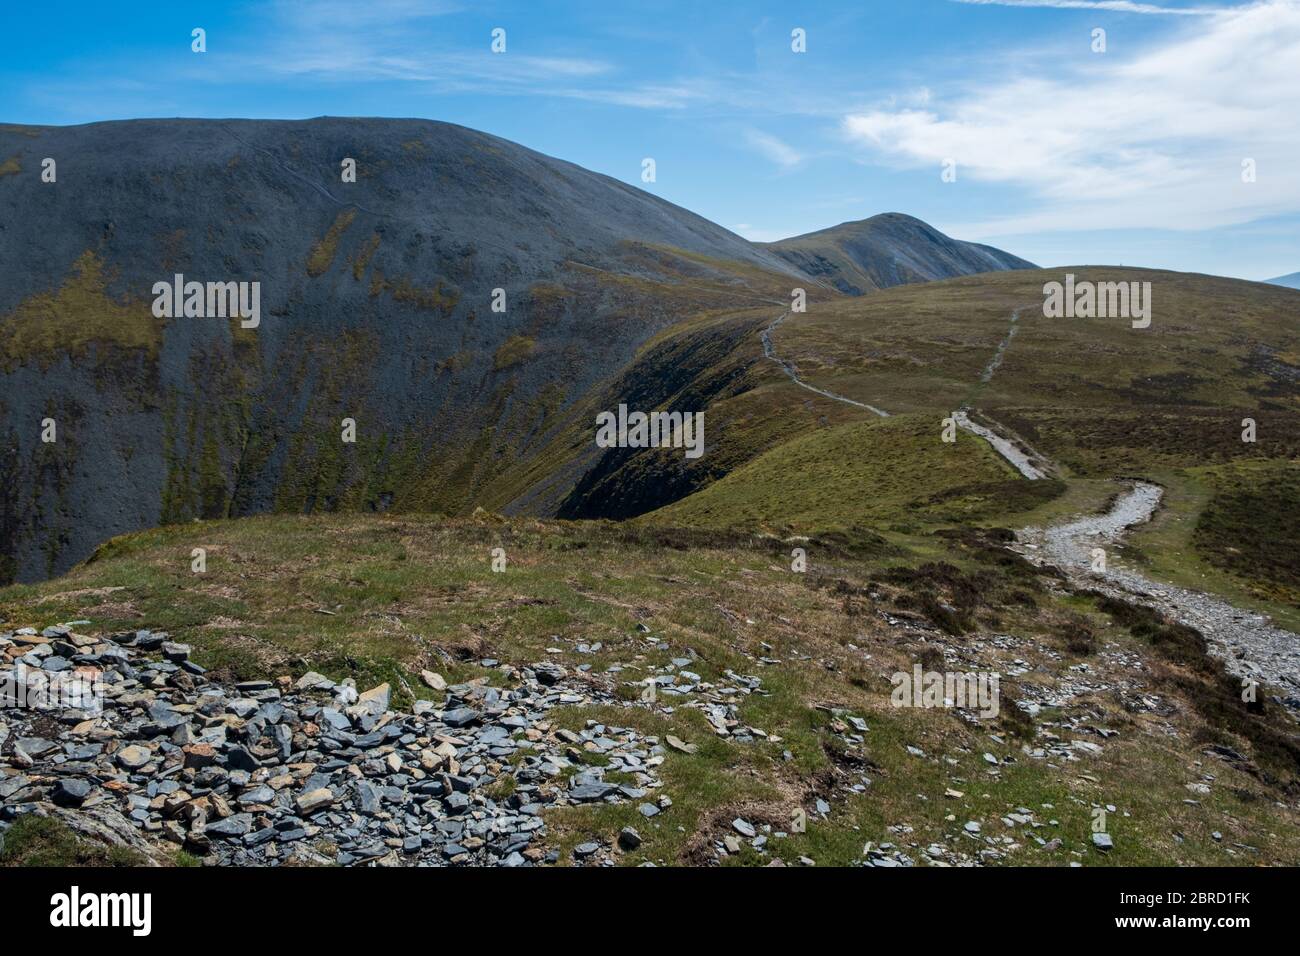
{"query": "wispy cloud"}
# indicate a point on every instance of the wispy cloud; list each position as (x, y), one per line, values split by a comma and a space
(754, 234)
(1115, 6)
(348, 14)
(1155, 141)
(387, 41)
(355, 62)
(778, 151)
(648, 96)
(339, 40)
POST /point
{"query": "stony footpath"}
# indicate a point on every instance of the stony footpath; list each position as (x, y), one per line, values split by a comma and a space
(305, 772)
(1249, 644)
(1029, 466)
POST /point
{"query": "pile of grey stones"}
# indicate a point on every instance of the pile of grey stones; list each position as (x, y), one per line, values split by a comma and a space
(305, 771)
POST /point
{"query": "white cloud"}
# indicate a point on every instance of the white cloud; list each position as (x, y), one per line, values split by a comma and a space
(349, 14)
(340, 40)
(754, 234)
(1156, 141)
(779, 152)
(356, 61)
(652, 96)
(1116, 6)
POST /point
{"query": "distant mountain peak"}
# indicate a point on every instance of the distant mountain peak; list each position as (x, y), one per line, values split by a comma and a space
(886, 250)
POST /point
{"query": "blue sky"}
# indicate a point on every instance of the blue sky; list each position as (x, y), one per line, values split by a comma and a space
(1063, 155)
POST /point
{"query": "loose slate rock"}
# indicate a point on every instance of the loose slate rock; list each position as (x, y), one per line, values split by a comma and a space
(376, 699)
(678, 744)
(461, 717)
(70, 792)
(233, 826)
(133, 757)
(268, 772)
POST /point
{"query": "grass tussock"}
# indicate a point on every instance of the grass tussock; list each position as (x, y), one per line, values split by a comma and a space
(35, 841)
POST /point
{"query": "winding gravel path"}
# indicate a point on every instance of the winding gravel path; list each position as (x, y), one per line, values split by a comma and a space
(1019, 460)
(1248, 643)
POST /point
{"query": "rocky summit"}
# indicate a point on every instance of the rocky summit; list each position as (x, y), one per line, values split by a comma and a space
(306, 772)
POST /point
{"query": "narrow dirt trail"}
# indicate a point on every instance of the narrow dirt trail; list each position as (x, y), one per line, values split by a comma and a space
(1030, 464)
(789, 369)
(987, 374)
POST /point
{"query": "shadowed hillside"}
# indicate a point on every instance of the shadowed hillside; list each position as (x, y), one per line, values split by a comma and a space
(376, 305)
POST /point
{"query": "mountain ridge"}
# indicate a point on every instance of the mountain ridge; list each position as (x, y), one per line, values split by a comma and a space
(886, 250)
(376, 307)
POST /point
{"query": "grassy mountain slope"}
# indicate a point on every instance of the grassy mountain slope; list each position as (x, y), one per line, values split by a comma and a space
(882, 472)
(905, 564)
(410, 592)
(1099, 397)
(376, 306)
